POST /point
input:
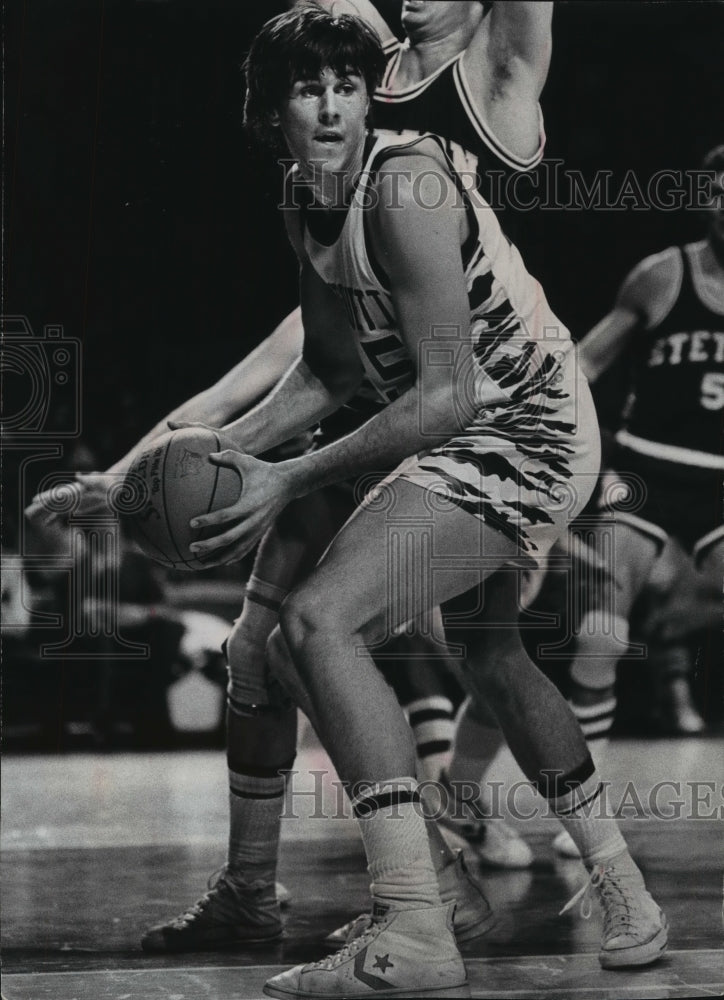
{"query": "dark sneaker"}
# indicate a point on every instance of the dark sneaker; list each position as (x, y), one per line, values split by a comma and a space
(231, 913)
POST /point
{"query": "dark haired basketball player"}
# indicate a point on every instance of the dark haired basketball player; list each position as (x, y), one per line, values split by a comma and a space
(484, 418)
(450, 46)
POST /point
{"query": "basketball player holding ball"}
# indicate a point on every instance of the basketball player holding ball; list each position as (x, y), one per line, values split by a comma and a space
(449, 43)
(481, 446)
(616, 950)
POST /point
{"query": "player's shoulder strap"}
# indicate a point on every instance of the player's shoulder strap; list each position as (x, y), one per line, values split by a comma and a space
(708, 291)
(653, 286)
(391, 146)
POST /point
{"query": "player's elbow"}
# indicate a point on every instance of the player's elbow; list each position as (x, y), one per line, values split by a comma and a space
(339, 381)
(444, 410)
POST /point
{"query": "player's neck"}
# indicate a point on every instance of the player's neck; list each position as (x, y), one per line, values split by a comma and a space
(334, 189)
(423, 58)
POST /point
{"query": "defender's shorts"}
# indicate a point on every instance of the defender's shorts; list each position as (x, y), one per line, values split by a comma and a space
(661, 499)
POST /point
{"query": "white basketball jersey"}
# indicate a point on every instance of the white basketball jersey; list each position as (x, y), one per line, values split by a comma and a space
(519, 342)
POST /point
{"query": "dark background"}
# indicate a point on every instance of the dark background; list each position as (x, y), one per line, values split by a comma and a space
(136, 217)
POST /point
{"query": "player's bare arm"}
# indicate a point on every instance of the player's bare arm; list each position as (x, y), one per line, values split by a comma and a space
(506, 65)
(238, 389)
(645, 296)
(420, 250)
(518, 43)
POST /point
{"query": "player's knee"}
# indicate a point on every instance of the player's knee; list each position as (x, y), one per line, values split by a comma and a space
(601, 641)
(237, 648)
(246, 668)
(602, 635)
(307, 617)
(301, 618)
(281, 663)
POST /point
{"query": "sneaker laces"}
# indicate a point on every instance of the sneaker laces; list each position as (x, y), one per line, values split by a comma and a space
(357, 926)
(215, 885)
(219, 886)
(354, 945)
(215, 877)
(616, 899)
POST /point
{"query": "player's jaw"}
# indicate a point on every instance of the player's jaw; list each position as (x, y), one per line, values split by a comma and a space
(423, 19)
(324, 124)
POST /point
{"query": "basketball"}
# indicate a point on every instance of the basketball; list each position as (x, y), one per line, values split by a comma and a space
(170, 482)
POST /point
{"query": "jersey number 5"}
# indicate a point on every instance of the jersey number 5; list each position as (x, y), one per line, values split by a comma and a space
(712, 391)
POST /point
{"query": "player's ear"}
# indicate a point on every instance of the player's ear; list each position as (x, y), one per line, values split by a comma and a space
(274, 119)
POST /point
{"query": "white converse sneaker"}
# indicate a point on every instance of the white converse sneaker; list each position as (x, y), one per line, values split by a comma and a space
(473, 914)
(634, 927)
(402, 953)
(564, 845)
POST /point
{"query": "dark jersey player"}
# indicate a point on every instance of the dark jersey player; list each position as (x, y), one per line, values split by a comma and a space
(448, 95)
(668, 323)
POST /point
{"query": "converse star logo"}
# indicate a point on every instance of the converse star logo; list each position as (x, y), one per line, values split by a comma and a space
(383, 963)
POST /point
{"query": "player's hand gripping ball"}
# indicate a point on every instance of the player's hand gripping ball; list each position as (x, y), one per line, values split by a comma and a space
(171, 482)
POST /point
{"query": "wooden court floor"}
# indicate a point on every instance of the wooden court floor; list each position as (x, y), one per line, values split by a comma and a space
(97, 847)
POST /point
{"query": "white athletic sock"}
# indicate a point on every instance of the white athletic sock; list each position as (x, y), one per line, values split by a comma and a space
(395, 839)
(255, 805)
(596, 721)
(255, 800)
(602, 639)
(433, 728)
(584, 812)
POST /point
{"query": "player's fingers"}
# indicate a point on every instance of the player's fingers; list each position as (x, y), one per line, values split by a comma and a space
(37, 511)
(227, 553)
(227, 515)
(229, 457)
(179, 425)
(52, 505)
(234, 534)
(227, 556)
